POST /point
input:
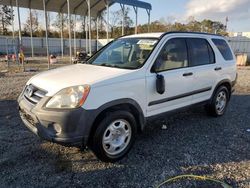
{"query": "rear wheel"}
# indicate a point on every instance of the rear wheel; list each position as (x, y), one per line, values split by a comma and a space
(114, 136)
(219, 102)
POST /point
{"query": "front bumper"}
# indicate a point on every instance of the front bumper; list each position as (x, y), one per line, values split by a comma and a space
(66, 127)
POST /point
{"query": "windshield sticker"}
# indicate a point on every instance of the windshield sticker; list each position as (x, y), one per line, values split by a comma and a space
(145, 47)
(147, 42)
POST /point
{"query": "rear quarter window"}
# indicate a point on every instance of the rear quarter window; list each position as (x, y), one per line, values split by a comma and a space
(223, 48)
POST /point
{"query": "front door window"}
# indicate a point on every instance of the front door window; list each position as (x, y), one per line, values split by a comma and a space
(172, 56)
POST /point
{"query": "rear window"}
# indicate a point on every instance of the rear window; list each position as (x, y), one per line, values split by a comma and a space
(200, 52)
(223, 48)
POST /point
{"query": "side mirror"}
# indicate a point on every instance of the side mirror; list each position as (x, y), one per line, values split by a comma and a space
(86, 58)
(160, 84)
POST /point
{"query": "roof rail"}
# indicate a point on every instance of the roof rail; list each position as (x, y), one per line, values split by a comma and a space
(190, 32)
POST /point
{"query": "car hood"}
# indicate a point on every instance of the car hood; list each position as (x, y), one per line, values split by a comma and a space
(57, 79)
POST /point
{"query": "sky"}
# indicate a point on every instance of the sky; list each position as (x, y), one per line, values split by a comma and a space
(237, 11)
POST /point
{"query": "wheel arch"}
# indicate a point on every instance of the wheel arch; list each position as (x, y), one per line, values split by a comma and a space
(227, 83)
(120, 104)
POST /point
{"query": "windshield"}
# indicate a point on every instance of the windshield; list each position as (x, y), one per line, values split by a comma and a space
(127, 53)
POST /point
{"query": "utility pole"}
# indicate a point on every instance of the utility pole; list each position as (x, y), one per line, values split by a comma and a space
(226, 22)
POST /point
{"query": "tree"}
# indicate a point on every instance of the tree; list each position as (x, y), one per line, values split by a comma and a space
(128, 22)
(207, 26)
(5, 18)
(116, 19)
(61, 23)
(83, 26)
(102, 21)
(35, 23)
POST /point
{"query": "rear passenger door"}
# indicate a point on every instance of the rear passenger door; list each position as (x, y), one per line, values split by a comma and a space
(202, 61)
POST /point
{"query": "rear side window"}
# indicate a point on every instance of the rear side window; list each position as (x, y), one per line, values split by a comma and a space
(200, 52)
(223, 48)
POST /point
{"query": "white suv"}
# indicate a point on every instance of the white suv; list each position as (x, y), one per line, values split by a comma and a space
(103, 103)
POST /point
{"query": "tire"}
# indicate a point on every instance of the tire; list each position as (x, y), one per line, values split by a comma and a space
(114, 136)
(219, 102)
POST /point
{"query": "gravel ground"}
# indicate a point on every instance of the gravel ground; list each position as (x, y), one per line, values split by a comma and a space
(193, 143)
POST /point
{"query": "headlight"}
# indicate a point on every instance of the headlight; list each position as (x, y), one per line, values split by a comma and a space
(71, 97)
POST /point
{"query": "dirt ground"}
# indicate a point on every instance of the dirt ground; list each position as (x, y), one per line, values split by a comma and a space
(193, 143)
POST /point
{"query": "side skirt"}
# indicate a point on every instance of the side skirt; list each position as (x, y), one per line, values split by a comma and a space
(183, 109)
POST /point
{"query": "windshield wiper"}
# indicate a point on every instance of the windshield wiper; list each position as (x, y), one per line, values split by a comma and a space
(109, 65)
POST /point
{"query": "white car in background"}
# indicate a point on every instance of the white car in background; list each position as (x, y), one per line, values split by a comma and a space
(105, 102)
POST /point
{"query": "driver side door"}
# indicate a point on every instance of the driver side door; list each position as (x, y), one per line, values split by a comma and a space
(172, 63)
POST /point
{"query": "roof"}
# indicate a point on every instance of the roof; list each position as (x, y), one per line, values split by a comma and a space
(78, 7)
(161, 34)
(135, 3)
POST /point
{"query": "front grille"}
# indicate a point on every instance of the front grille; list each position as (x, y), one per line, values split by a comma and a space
(33, 94)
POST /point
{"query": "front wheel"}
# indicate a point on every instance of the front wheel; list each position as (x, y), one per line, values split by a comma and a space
(114, 136)
(219, 102)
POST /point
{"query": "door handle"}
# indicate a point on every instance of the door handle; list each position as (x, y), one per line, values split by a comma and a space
(217, 68)
(188, 74)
